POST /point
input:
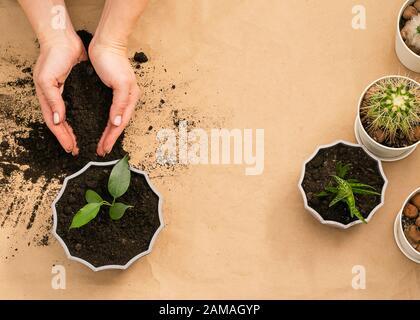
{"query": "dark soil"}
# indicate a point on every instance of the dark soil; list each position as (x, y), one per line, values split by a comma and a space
(104, 241)
(318, 173)
(140, 57)
(88, 102)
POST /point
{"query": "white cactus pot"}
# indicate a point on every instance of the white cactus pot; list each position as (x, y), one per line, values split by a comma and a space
(336, 224)
(380, 151)
(400, 238)
(86, 263)
(407, 57)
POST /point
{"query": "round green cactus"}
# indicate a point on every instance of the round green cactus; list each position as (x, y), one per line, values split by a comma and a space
(392, 108)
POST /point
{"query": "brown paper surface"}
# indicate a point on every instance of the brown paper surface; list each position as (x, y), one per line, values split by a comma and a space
(293, 68)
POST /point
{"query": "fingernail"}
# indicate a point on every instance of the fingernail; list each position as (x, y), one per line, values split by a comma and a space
(117, 121)
(56, 118)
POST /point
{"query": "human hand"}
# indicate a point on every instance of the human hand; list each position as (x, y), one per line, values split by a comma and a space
(112, 66)
(58, 56)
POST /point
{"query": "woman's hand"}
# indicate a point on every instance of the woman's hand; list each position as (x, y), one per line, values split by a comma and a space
(58, 56)
(112, 66)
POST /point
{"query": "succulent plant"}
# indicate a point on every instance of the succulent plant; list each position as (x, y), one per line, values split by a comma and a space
(391, 109)
(343, 190)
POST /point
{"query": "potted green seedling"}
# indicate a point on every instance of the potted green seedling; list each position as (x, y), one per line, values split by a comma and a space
(342, 185)
(407, 227)
(388, 118)
(107, 215)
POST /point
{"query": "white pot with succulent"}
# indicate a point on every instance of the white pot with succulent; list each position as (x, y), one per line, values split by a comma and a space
(388, 117)
(407, 227)
(407, 44)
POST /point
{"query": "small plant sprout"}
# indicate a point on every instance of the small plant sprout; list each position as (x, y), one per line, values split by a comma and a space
(344, 190)
(391, 108)
(118, 183)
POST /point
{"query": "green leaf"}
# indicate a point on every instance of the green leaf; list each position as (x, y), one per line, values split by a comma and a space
(323, 194)
(356, 213)
(92, 197)
(337, 199)
(360, 185)
(352, 181)
(331, 190)
(119, 179)
(85, 215)
(366, 192)
(117, 210)
(342, 169)
(344, 191)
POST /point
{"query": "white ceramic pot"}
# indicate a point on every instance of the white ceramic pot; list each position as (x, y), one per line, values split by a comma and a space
(107, 267)
(400, 238)
(336, 224)
(380, 151)
(407, 57)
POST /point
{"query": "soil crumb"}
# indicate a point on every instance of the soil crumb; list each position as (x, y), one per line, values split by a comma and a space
(140, 57)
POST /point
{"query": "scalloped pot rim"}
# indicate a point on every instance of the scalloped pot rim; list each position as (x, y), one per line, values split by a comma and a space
(106, 267)
(314, 213)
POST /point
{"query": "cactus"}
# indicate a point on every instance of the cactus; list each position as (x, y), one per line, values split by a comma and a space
(391, 110)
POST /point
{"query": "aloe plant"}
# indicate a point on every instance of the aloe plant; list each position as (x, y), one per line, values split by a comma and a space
(343, 190)
(118, 183)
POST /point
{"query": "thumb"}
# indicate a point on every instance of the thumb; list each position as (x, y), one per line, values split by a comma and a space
(120, 103)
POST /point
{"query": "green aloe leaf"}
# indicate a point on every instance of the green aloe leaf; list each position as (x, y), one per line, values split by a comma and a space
(356, 213)
(352, 181)
(364, 191)
(344, 191)
(323, 194)
(117, 210)
(337, 199)
(85, 215)
(92, 197)
(360, 185)
(331, 190)
(119, 179)
(342, 169)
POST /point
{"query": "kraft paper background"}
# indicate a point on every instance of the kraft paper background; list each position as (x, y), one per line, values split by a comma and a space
(293, 68)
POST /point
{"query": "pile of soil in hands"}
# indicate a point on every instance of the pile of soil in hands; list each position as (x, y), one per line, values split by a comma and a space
(411, 221)
(104, 241)
(88, 102)
(318, 174)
